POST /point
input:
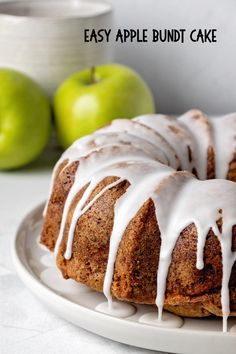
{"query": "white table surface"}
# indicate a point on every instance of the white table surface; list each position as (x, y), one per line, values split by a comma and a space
(25, 325)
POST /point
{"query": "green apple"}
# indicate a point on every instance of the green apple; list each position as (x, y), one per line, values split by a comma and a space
(89, 99)
(25, 119)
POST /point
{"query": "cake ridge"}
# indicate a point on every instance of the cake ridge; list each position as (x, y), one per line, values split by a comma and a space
(88, 168)
(224, 156)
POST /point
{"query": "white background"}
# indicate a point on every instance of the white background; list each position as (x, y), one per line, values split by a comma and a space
(187, 75)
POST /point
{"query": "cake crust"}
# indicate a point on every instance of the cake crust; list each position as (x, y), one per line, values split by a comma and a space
(190, 291)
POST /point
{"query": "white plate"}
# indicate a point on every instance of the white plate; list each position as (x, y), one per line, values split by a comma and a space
(76, 303)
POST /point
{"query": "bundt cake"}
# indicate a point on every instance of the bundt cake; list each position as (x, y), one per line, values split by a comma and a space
(145, 211)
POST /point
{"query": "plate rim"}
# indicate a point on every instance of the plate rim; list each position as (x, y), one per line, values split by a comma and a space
(42, 291)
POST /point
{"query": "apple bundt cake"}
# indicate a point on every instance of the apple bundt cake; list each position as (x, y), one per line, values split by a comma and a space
(145, 211)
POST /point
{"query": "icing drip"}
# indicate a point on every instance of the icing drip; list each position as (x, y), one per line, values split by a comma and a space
(129, 171)
(224, 134)
(81, 209)
(91, 165)
(168, 320)
(197, 123)
(176, 136)
(118, 309)
(229, 259)
(144, 132)
(126, 208)
(146, 152)
(190, 198)
(93, 142)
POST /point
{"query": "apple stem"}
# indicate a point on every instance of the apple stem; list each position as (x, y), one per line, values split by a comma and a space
(93, 79)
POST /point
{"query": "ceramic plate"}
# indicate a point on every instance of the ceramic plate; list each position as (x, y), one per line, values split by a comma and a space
(77, 304)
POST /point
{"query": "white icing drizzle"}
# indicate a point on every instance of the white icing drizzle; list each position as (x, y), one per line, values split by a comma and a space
(90, 165)
(224, 135)
(91, 143)
(176, 135)
(144, 132)
(138, 151)
(169, 320)
(197, 123)
(81, 209)
(127, 207)
(190, 198)
(118, 309)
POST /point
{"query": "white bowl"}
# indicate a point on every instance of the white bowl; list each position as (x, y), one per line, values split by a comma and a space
(45, 39)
